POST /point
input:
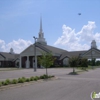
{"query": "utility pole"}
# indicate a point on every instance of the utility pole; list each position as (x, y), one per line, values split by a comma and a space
(91, 58)
(35, 61)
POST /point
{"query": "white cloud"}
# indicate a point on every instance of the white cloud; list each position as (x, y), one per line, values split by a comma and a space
(18, 45)
(2, 44)
(70, 40)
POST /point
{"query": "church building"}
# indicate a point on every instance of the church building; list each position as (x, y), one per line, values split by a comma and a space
(27, 58)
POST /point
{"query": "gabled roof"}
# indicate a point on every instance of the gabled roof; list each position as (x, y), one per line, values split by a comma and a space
(38, 47)
(54, 49)
(2, 56)
(71, 54)
(90, 50)
(42, 47)
(49, 48)
(77, 53)
(9, 55)
(26, 48)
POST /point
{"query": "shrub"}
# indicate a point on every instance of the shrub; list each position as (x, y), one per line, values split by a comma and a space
(73, 62)
(21, 80)
(27, 79)
(31, 78)
(35, 78)
(45, 76)
(0, 84)
(14, 81)
(42, 77)
(84, 63)
(7, 81)
(24, 79)
(4, 83)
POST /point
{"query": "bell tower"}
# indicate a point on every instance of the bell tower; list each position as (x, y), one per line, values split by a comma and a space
(93, 44)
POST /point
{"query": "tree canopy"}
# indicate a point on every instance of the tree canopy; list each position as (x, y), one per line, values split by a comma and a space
(46, 60)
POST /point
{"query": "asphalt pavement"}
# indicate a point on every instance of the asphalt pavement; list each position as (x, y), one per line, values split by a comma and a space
(65, 87)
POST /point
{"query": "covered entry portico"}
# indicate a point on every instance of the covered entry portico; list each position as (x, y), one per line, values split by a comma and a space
(27, 61)
(27, 58)
(92, 53)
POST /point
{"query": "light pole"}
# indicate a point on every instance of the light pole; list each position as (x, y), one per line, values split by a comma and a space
(35, 61)
(91, 58)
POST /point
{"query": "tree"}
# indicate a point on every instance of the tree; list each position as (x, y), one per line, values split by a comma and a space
(46, 60)
(84, 63)
(89, 62)
(97, 63)
(93, 61)
(73, 63)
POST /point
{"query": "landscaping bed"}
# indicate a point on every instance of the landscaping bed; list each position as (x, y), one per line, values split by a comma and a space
(23, 80)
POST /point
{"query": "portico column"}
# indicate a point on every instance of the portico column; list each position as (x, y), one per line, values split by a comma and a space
(27, 62)
(20, 66)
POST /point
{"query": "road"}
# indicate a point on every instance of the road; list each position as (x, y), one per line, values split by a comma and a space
(66, 87)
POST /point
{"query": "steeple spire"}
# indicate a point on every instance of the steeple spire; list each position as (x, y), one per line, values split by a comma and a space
(41, 38)
(41, 24)
(41, 34)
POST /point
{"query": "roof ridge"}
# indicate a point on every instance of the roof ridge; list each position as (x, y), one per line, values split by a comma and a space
(56, 47)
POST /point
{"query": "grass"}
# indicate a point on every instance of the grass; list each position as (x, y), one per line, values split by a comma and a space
(9, 69)
(93, 67)
(78, 70)
(87, 68)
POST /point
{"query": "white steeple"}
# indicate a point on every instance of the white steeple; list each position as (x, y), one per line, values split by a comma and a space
(41, 38)
(93, 44)
(41, 31)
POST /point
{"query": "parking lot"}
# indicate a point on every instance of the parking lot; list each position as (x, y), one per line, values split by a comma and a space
(65, 87)
(30, 72)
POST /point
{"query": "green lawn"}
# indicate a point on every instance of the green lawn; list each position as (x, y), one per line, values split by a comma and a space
(9, 69)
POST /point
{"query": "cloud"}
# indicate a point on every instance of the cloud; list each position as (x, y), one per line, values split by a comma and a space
(18, 45)
(86, 33)
(2, 44)
(70, 40)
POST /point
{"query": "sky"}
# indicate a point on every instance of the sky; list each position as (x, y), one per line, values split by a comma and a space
(62, 26)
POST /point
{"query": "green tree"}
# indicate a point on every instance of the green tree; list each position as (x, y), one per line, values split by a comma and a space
(97, 63)
(93, 61)
(73, 63)
(84, 63)
(46, 60)
(89, 62)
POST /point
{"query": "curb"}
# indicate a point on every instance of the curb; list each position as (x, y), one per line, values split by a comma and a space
(2, 88)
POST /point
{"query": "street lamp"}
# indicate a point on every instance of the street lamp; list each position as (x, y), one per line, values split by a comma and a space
(35, 61)
(91, 58)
